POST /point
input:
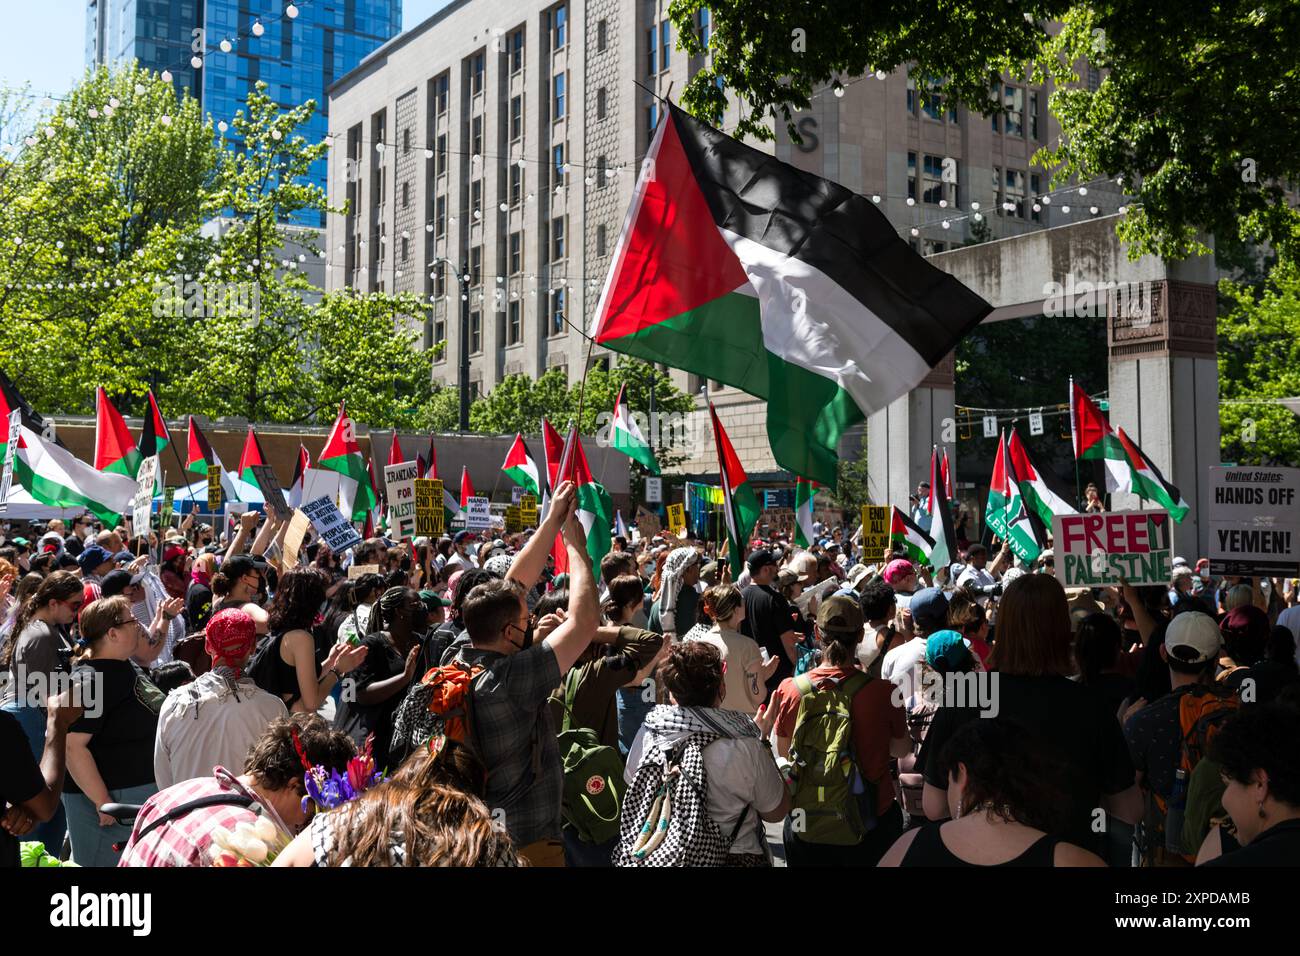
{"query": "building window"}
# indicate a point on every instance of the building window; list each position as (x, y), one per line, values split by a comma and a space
(1010, 192)
(557, 157)
(557, 238)
(601, 167)
(516, 117)
(517, 51)
(1033, 114)
(665, 43)
(406, 195)
(476, 196)
(406, 140)
(440, 217)
(516, 253)
(601, 36)
(652, 118)
(439, 331)
(557, 100)
(476, 265)
(933, 184)
(560, 30)
(475, 332)
(439, 284)
(600, 241)
(1034, 185)
(1014, 103)
(406, 249)
(911, 176)
(705, 25)
(652, 50)
(557, 312)
(441, 92)
(476, 136)
(477, 66)
(514, 328)
(516, 183)
(600, 103)
(441, 168)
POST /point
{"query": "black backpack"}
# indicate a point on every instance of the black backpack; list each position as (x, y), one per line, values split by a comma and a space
(261, 667)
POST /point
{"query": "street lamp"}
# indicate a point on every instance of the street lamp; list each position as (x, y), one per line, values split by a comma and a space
(462, 282)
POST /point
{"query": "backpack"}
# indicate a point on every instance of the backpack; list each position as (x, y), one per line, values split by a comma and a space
(261, 666)
(665, 820)
(837, 804)
(593, 775)
(1201, 713)
(442, 703)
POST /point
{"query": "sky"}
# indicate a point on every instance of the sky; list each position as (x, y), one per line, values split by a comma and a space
(43, 43)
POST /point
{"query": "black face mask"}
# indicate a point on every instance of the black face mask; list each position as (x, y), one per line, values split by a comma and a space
(528, 636)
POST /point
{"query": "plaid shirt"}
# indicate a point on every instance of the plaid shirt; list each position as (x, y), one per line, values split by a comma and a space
(516, 739)
(187, 840)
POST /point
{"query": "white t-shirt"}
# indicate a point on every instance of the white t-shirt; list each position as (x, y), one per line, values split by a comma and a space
(1290, 619)
(979, 577)
(460, 562)
(901, 666)
(869, 648)
(741, 774)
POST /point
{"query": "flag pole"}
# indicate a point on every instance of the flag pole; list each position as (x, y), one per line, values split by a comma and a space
(1074, 447)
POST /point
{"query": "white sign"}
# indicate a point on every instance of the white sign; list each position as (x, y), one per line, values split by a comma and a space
(1097, 550)
(399, 479)
(515, 494)
(142, 507)
(1254, 521)
(1035, 423)
(654, 491)
(11, 450)
(990, 426)
(320, 483)
(335, 530)
(478, 514)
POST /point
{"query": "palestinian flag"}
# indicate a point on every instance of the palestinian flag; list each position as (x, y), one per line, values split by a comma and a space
(252, 455)
(552, 452)
(626, 437)
(154, 436)
(740, 268)
(10, 399)
(1024, 533)
(995, 509)
(1039, 498)
(293, 495)
(342, 454)
(374, 516)
(595, 507)
(466, 489)
(1149, 484)
(520, 467)
(944, 551)
(740, 504)
(54, 477)
(904, 531)
(431, 466)
(1095, 439)
(200, 455)
(115, 449)
(395, 451)
(804, 492)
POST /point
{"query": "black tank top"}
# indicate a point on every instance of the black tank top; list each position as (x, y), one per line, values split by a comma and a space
(928, 849)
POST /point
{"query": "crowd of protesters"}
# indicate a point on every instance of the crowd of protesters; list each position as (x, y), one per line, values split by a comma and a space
(475, 706)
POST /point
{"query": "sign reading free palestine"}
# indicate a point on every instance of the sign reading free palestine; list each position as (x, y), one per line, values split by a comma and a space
(1097, 550)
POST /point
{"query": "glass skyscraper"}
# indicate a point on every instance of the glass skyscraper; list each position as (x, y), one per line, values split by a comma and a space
(296, 57)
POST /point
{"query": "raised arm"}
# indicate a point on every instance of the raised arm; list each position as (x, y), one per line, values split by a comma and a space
(529, 564)
(571, 638)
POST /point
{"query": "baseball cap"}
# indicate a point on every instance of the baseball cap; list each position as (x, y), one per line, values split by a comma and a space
(93, 557)
(948, 651)
(1192, 638)
(172, 551)
(240, 565)
(760, 559)
(21, 542)
(114, 583)
(929, 609)
(840, 614)
(898, 569)
(432, 599)
(462, 536)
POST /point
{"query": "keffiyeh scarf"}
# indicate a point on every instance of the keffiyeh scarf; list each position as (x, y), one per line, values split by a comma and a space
(671, 584)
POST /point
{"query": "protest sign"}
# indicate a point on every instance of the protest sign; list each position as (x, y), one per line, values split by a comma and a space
(142, 507)
(515, 494)
(233, 510)
(654, 491)
(528, 511)
(1095, 550)
(335, 530)
(478, 513)
(294, 536)
(7, 478)
(357, 570)
(429, 515)
(513, 523)
(647, 522)
(272, 493)
(1254, 520)
(399, 479)
(214, 488)
(320, 483)
(168, 506)
(677, 519)
(875, 532)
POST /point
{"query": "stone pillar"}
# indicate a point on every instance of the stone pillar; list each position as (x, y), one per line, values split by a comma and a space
(900, 437)
(1164, 385)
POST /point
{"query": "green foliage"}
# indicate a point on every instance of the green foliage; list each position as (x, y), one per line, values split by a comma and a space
(853, 491)
(1259, 363)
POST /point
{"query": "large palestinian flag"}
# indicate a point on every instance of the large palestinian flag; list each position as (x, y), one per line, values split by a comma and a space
(625, 436)
(520, 467)
(1095, 439)
(1147, 482)
(904, 531)
(739, 503)
(944, 551)
(115, 449)
(595, 508)
(1006, 513)
(746, 270)
(53, 476)
(342, 454)
(10, 399)
(1039, 496)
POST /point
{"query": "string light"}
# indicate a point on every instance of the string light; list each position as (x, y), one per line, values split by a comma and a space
(257, 28)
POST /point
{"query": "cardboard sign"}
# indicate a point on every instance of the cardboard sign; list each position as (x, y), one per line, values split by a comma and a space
(1254, 520)
(168, 507)
(1096, 550)
(654, 491)
(478, 513)
(357, 570)
(335, 530)
(677, 519)
(399, 479)
(294, 536)
(272, 493)
(142, 507)
(513, 523)
(875, 532)
(429, 514)
(11, 450)
(528, 511)
(214, 488)
(647, 522)
(320, 483)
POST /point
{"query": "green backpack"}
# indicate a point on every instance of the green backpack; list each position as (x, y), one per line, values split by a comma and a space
(832, 803)
(593, 776)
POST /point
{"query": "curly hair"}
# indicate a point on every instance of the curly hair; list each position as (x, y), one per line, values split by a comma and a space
(297, 600)
(693, 674)
(1265, 737)
(274, 758)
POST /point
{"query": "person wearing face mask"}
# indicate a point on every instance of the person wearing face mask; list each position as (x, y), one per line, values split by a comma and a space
(393, 643)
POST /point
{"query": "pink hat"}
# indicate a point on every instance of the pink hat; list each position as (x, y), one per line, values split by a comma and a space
(898, 569)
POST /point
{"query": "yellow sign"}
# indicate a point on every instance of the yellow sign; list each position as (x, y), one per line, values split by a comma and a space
(677, 519)
(875, 532)
(214, 488)
(429, 514)
(513, 522)
(527, 512)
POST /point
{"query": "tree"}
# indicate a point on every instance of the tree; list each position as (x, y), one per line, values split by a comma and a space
(1259, 365)
(1195, 109)
(853, 483)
